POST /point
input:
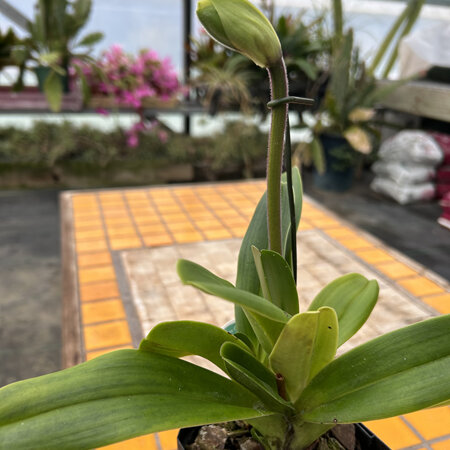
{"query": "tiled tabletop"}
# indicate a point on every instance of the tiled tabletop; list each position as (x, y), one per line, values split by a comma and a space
(119, 252)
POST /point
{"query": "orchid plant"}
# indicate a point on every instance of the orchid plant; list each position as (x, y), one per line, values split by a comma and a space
(282, 375)
(130, 81)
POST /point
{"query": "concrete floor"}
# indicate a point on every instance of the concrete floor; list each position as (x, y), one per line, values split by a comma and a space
(30, 293)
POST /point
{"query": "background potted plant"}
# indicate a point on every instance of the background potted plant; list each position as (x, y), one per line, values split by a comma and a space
(52, 44)
(283, 378)
(342, 130)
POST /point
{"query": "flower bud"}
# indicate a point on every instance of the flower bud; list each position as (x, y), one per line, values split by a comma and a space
(240, 26)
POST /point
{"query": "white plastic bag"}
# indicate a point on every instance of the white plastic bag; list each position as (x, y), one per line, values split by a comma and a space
(403, 173)
(403, 194)
(423, 49)
(412, 146)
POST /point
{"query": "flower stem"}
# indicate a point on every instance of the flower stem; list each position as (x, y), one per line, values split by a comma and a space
(279, 89)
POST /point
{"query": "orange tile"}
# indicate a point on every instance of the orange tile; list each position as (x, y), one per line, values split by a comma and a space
(99, 291)
(87, 235)
(396, 270)
(103, 311)
(109, 214)
(169, 208)
(136, 196)
(238, 231)
(431, 423)
(440, 303)
(175, 217)
(201, 214)
(147, 442)
(340, 232)
(92, 246)
(118, 221)
(114, 232)
(374, 256)
(125, 242)
(304, 225)
(91, 214)
(94, 259)
(154, 240)
(355, 243)
(102, 273)
(106, 335)
(96, 353)
(235, 221)
(183, 227)
(147, 219)
(393, 432)
(217, 234)
(209, 224)
(421, 286)
(156, 228)
(87, 224)
(442, 445)
(168, 439)
(185, 237)
(325, 222)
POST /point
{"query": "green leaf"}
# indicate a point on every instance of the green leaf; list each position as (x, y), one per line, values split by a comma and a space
(307, 343)
(318, 155)
(306, 67)
(276, 279)
(241, 356)
(400, 372)
(53, 90)
(117, 396)
(251, 374)
(201, 278)
(353, 297)
(184, 337)
(91, 39)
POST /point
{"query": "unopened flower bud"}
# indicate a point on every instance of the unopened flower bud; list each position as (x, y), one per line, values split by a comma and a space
(240, 26)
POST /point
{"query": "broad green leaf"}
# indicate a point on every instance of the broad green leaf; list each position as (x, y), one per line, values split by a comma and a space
(91, 39)
(250, 373)
(266, 330)
(307, 343)
(184, 337)
(280, 282)
(53, 90)
(400, 372)
(241, 356)
(353, 297)
(201, 278)
(117, 396)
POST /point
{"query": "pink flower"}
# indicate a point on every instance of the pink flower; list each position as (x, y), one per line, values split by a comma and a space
(132, 140)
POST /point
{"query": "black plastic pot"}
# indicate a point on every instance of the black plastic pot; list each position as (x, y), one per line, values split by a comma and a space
(338, 175)
(42, 72)
(366, 439)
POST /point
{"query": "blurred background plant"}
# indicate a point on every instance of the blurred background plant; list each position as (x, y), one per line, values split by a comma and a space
(346, 111)
(129, 81)
(9, 43)
(237, 151)
(53, 43)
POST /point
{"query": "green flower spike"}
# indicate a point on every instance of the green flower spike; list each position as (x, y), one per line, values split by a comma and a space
(238, 25)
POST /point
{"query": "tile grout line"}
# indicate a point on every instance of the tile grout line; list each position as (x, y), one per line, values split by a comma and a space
(191, 220)
(161, 219)
(133, 221)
